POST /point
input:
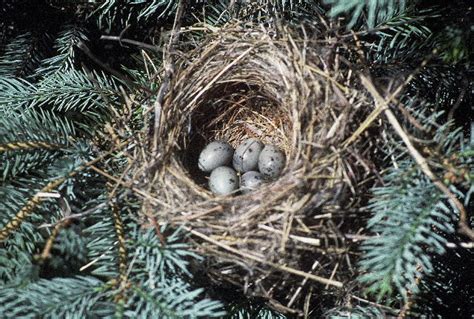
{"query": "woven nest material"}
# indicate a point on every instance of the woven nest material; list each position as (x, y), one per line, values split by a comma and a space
(284, 241)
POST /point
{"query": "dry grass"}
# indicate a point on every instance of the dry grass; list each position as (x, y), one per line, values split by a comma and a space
(286, 240)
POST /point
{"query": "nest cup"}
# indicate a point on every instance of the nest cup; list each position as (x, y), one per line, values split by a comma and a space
(241, 83)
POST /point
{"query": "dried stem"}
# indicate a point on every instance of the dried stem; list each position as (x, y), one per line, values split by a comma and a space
(321, 280)
(380, 102)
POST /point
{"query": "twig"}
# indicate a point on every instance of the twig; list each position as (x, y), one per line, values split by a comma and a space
(45, 254)
(300, 273)
(122, 278)
(409, 302)
(297, 292)
(332, 274)
(420, 160)
(306, 240)
(382, 106)
(374, 304)
(97, 259)
(124, 184)
(133, 42)
(74, 216)
(81, 45)
(169, 70)
(469, 245)
(156, 225)
(37, 199)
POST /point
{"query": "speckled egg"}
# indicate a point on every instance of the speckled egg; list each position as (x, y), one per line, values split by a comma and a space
(246, 155)
(215, 154)
(223, 180)
(271, 161)
(250, 181)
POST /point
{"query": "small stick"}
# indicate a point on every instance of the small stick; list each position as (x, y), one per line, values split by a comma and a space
(374, 304)
(297, 292)
(332, 274)
(46, 253)
(169, 70)
(133, 42)
(74, 216)
(306, 240)
(97, 259)
(293, 271)
(84, 48)
(463, 228)
(124, 184)
(38, 198)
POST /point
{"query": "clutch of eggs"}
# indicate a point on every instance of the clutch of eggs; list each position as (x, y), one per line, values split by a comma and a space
(252, 160)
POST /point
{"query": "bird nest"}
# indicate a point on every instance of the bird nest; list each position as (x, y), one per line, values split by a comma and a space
(287, 241)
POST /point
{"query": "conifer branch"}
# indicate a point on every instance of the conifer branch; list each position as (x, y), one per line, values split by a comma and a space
(29, 207)
(26, 145)
(46, 253)
(122, 250)
(32, 203)
(380, 102)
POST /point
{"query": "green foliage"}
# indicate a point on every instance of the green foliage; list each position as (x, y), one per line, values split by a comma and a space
(64, 47)
(15, 265)
(69, 247)
(158, 273)
(22, 55)
(19, 247)
(454, 44)
(15, 94)
(411, 219)
(76, 297)
(81, 96)
(54, 102)
(399, 39)
(374, 12)
(408, 208)
(101, 240)
(113, 13)
(89, 94)
(158, 285)
(31, 140)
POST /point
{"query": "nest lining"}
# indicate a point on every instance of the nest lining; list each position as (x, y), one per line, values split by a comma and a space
(234, 118)
(240, 84)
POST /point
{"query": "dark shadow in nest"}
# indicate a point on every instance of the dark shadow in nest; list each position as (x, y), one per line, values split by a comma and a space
(224, 116)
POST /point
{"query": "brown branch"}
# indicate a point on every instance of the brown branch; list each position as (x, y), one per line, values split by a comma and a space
(37, 199)
(46, 253)
(169, 70)
(133, 42)
(463, 228)
(122, 248)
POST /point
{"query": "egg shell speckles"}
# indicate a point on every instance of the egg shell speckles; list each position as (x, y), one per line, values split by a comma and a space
(271, 161)
(246, 155)
(223, 180)
(215, 154)
(250, 181)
